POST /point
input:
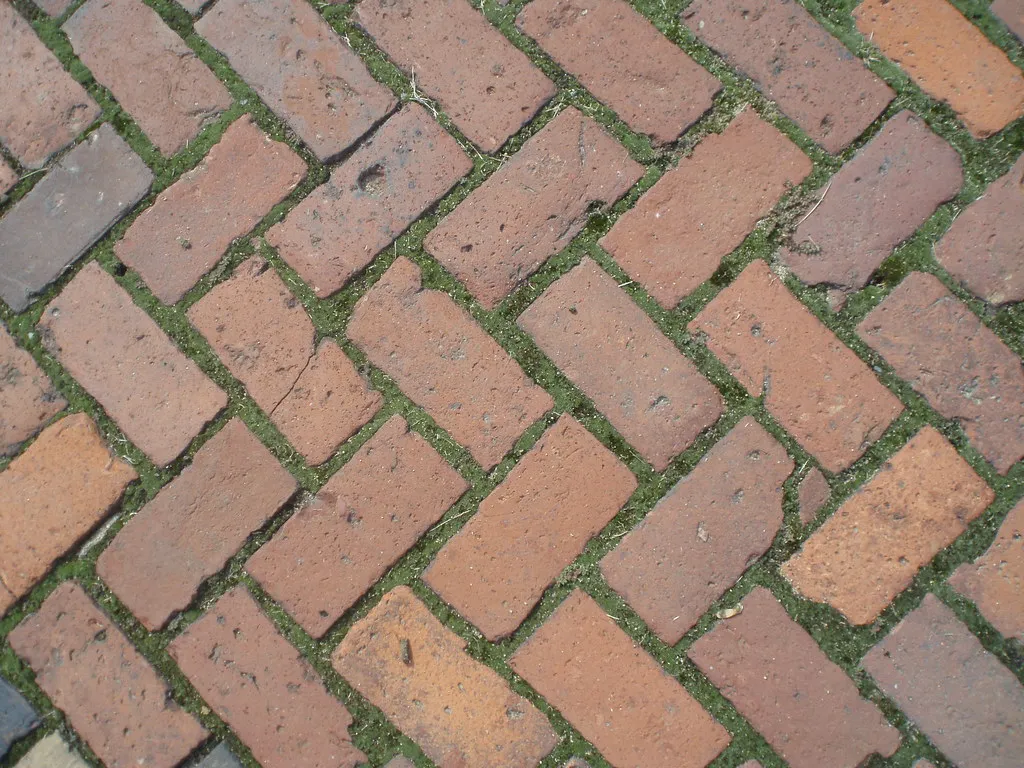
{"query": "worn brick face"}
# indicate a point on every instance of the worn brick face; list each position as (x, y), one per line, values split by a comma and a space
(51, 752)
(1011, 13)
(8, 178)
(811, 496)
(28, 398)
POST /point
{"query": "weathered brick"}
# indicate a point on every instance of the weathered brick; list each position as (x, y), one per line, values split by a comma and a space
(774, 673)
(407, 664)
(365, 518)
(51, 496)
(576, 762)
(751, 764)
(613, 693)
(1011, 13)
(194, 6)
(400, 762)
(532, 206)
(704, 533)
(300, 67)
(872, 547)
(446, 363)
(949, 58)
(220, 757)
(269, 695)
(537, 521)
(192, 223)
(660, 94)
(55, 8)
(194, 525)
(405, 167)
(82, 196)
(485, 85)
(51, 752)
(815, 80)
(154, 76)
(44, 108)
(110, 694)
(27, 396)
(813, 493)
(962, 368)
(813, 384)
(8, 178)
(958, 694)
(158, 397)
(711, 201)
(17, 718)
(875, 202)
(611, 350)
(923, 764)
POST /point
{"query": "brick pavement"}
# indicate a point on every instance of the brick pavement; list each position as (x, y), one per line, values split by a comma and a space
(562, 383)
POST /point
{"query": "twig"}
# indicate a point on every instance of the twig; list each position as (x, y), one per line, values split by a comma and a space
(815, 206)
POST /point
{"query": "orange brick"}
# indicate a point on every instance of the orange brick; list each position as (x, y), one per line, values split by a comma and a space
(27, 396)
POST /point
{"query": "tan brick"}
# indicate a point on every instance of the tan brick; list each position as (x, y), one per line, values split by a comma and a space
(51, 752)
(28, 398)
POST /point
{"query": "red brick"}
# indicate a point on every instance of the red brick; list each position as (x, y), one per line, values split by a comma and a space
(869, 551)
(812, 495)
(816, 81)
(532, 206)
(778, 678)
(194, 525)
(8, 178)
(460, 712)
(949, 58)
(958, 694)
(27, 396)
(110, 694)
(446, 363)
(875, 202)
(406, 166)
(704, 533)
(195, 220)
(962, 368)
(154, 76)
(613, 693)
(816, 388)
(1011, 13)
(55, 8)
(44, 108)
(984, 249)
(537, 521)
(300, 67)
(660, 93)
(711, 201)
(268, 694)
(611, 350)
(362, 521)
(485, 85)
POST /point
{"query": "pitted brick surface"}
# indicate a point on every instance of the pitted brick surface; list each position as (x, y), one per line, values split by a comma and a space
(28, 398)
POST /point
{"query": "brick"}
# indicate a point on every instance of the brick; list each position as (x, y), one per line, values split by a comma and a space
(299, 66)
(949, 58)
(194, 525)
(51, 496)
(613, 693)
(812, 494)
(1011, 13)
(194, 6)
(778, 678)
(260, 685)
(157, 396)
(814, 79)
(958, 364)
(923, 764)
(377, 506)
(866, 553)
(28, 398)
(44, 108)
(446, 363)
(51, 752)
(702, 536)
(8, 178)
(399, 172)
(875, 202)
(537, 521)
(813, 384)
(611, 350)
(152, 73)
(193, 222)
(958, 694)
(54, 8)
(482, 82)
(751, 764)
(220, 757)
(85, 193)
(659, 94)
(576, 762)
(984, 248)
(17, 718)
(711, 201)
(109, 693)
(532, 206)
(400, 762)
(460, 712)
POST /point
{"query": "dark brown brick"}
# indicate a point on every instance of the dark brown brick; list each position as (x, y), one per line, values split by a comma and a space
(1011, 13)
(711, 201)
(532, 206)
(812, 495)
(406, 166)
(704, 533)
(779, 679)
(27, 396)
(485, 85)
(460, 712)
(611, 350)
(818, 389)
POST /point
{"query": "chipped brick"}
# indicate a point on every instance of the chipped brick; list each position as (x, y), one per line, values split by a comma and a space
(51, 752)
(28, 398)
(813, 493)
(8, 178)
(220, 757)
